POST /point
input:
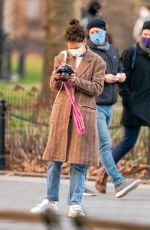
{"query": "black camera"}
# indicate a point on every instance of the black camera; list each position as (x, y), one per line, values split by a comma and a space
(65, 71)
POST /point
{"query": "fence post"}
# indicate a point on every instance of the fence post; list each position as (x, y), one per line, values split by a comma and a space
(2, 133)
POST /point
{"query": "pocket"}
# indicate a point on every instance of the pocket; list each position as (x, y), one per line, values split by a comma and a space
(88, 107)
(89, 117)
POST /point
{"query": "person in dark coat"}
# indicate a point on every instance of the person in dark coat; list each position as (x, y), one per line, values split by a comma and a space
(135, 93)
(93, 11)
(114, 76)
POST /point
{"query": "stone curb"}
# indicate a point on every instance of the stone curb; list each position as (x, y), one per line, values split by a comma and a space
(33, 174)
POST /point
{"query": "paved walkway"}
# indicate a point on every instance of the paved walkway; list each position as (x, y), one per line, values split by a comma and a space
(22, 193)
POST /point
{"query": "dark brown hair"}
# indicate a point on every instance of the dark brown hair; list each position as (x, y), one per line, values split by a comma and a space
(74, 31)
(94, 7)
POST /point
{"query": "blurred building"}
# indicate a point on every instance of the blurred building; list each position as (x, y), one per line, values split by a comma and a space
(24, 22)
(121, 17)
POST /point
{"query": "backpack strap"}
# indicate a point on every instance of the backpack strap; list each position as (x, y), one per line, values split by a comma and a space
(133, 53)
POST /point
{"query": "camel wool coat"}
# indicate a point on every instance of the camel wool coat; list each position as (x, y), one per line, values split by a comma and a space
(64, 143)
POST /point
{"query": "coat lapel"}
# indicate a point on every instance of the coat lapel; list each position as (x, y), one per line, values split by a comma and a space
(82, 68)
(70, 60)
(85, 63)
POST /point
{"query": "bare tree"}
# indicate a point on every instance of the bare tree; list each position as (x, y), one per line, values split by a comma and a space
(58, 14)
(1, 34)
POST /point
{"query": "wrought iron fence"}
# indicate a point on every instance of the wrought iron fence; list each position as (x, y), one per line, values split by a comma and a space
(27, 122)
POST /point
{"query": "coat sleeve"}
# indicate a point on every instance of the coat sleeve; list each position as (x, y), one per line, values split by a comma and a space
(120, 64)
(124, 88)
(121, 67)
(55, 85)
(95, 86)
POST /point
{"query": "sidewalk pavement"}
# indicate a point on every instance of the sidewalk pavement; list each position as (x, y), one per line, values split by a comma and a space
(23, 193)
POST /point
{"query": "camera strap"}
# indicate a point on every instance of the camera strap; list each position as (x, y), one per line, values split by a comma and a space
(77, 116)
(64, 52)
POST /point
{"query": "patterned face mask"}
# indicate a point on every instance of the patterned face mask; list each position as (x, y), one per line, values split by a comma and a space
(98, 38)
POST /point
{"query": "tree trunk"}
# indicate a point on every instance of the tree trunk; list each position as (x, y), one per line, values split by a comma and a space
(1, 36)
(58, 14)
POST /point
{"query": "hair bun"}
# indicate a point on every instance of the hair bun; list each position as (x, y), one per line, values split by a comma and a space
(74, 22)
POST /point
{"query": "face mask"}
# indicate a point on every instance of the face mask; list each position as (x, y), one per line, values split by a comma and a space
(146, 41)
(98, 38)
(77, 52)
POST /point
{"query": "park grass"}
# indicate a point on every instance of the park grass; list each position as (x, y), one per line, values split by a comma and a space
(21, 96)
(33, 71)
(32, 75)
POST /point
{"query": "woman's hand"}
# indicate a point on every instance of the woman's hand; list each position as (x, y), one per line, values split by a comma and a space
(122, 77)
(110, 78)
(56, 75)
(72, 77)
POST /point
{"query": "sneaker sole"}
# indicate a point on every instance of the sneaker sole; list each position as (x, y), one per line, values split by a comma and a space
(73, 215)
(88, 194)
(128, 189)
(54, 210)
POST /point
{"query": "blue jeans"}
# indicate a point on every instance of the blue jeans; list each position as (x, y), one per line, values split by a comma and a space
(104, 117)
(77, 178)
(129, 139)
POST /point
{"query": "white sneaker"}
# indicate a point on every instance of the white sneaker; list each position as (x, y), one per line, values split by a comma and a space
(75, 210)
(44, 205)
(88, 192)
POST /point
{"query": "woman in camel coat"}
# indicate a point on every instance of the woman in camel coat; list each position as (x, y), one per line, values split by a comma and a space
(65, 144)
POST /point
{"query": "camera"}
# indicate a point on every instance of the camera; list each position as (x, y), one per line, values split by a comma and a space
(65, 71)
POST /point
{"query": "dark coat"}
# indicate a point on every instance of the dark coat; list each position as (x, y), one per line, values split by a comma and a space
(135, 91)
(64, 143)
(113, 66)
